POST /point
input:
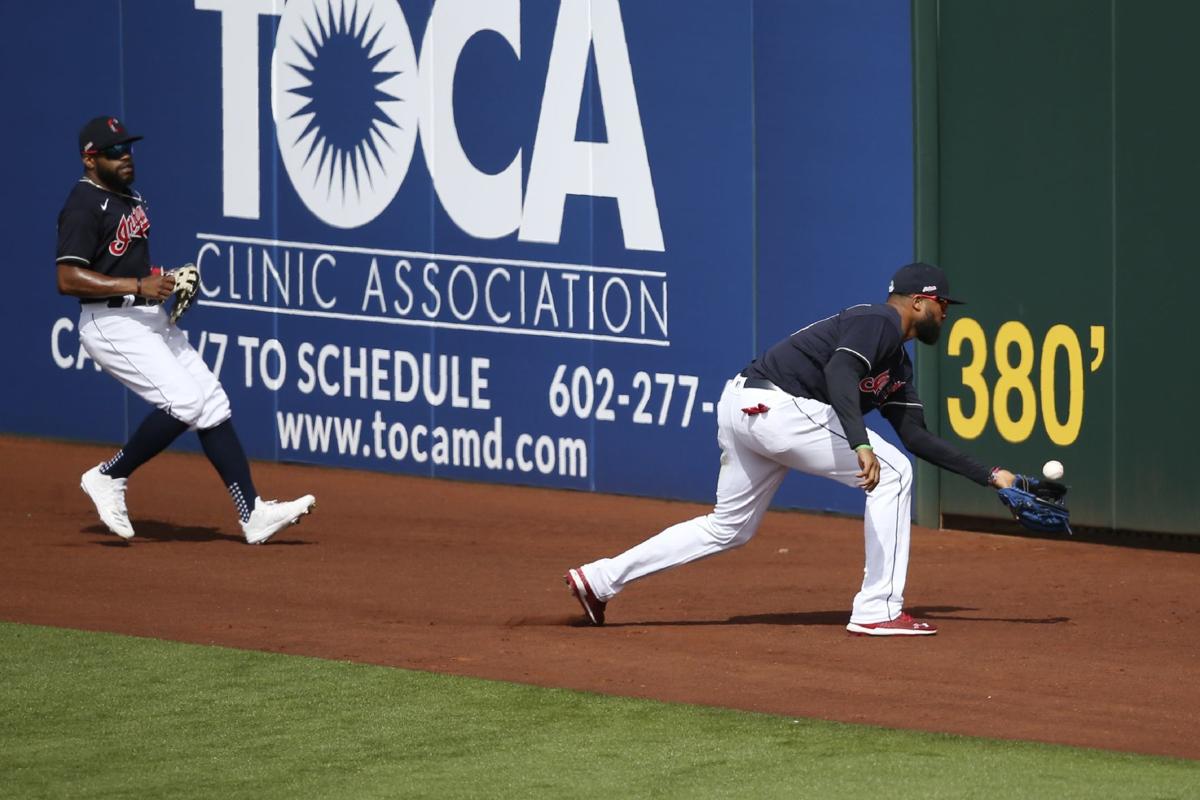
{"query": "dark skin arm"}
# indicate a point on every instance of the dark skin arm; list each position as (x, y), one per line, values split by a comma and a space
(869, 466)
(86, 283)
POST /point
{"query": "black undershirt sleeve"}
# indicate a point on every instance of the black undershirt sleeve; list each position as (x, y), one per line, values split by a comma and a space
(842, 376)
(909, 422)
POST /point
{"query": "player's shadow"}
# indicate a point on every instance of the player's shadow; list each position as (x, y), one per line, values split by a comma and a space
(792, 618)
(149, 530)
(838, 618)
(950, 612)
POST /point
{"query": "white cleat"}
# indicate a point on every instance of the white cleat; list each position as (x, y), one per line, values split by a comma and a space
(109, 496)
(269, 517)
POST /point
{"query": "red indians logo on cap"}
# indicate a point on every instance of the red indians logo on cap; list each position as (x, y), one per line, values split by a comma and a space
(134, 226)
(114, 125)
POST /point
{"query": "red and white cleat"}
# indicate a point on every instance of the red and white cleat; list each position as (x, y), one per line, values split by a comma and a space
(903, 625)
(593, 607)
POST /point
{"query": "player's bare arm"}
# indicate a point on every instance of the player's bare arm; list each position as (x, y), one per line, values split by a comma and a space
(81, 282)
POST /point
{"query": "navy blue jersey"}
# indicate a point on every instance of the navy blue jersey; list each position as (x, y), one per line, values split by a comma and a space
(104, 231)
(870, 333)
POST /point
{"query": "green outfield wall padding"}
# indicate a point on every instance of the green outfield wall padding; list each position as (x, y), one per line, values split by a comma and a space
(1066, 205)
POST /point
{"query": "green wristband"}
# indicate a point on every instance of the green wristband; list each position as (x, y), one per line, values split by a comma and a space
(861, 446)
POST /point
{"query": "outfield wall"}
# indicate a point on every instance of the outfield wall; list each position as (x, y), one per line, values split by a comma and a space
(1058, 187)
(522, 242)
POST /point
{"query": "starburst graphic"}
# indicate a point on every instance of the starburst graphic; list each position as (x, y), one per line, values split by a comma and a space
(339, 56)
(343, 76)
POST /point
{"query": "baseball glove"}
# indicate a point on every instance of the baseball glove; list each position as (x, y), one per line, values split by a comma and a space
(187, 285)
(1038, 504)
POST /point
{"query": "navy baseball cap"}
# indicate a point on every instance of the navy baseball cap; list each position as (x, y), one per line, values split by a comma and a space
(103, 132)
(922, 278)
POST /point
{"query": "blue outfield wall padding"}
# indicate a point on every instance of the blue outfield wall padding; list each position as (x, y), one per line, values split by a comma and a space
(833, 138)
(523, 242)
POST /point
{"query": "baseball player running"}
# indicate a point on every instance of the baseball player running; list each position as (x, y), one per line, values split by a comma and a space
(800, 406)
(104, 260)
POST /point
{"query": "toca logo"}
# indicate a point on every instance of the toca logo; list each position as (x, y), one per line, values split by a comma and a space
(351, 88)
(133, 226)
(880, 385)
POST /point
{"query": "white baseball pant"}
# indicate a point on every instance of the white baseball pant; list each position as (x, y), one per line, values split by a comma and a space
(139, 347)
(756, 453)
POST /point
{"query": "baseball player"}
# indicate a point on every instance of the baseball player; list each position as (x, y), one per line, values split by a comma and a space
(800, 406)
(104, 260)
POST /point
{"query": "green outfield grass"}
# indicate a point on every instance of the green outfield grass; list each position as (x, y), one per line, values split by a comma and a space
(96, 715)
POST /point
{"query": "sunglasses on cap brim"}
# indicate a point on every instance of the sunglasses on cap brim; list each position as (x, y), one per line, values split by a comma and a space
(941, 301)
(112, 152)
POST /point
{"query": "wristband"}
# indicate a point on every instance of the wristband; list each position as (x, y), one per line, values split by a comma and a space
(863, 447)
(992, 476)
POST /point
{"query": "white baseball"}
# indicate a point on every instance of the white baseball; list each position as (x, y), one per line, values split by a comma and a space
(1053, 470)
